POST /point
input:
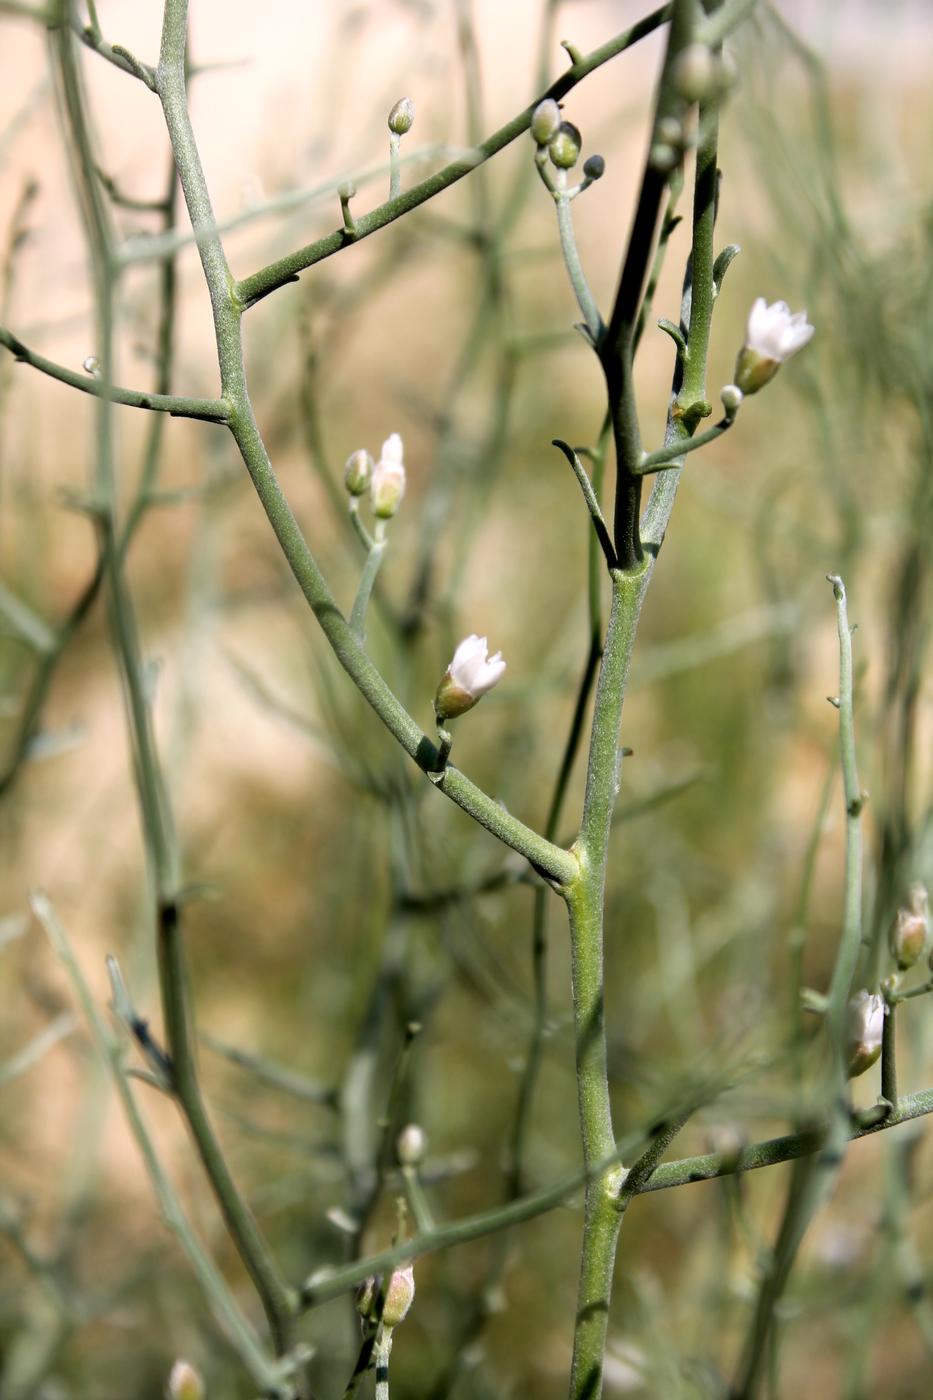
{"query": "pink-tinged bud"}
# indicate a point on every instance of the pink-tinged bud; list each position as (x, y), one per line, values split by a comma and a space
(469, 676)
(185, 1383)
(358, 472)
(388, 481)
(390, 1306)
(399, 1296)
(910, 931)
(771, 337)
(865, 1029)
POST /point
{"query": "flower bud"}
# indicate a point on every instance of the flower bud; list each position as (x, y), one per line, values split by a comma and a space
(910, 932)
(390, 1307)
(399, 1296)
(91, 365)
(411, 1144)
(695, 73)
(662, 156)
(594, 167)
(731, 396)
(346, 190)
(564, 147)
(357, 472)
(388, 480)
(471, 673)
(865, 1028)
(545, 121)
(185, 1383)
(402, 116)
(771, 337)
(670, 131)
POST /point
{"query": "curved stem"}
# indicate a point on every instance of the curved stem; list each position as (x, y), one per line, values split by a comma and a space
(277, 274)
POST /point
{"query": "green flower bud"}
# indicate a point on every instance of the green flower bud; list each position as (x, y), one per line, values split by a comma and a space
(564, 147)
(670, 132)
(594, 167)
(402, 116)
(545, 121)
(358, 472)
(696, 73)
(347, 190)
(662, 156)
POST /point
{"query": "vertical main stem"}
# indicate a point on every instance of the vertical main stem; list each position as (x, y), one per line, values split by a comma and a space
(585, 901)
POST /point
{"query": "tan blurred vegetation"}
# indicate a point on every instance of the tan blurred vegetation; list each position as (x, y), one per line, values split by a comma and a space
(270, 752)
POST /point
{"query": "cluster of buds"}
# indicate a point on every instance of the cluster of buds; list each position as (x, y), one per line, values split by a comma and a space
(384, 480)
(560, 142)
(388, 1307)
(864, 1031)
(910, 932)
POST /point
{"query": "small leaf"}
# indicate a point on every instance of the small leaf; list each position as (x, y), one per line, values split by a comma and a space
(721, 266)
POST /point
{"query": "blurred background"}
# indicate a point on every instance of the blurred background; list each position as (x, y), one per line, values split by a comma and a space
(340, 900)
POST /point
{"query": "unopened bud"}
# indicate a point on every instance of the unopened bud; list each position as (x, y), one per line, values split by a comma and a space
(564, 147)
(411, 1145)
(389, 1306)
(91, 365)
(695, 73)
(865, 1028)
(662, 156)
(545, 121)
(731, 396)
(399, 1296)
(594, 167)
(358, 472)
(402, 116)
(670, 131)
(185, 1383)
(910, 931)
(346, 190)
(388, 481)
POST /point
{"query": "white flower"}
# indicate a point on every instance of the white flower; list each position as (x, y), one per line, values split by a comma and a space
(865, 1030)
(772, 335)
(468, 677)
(388, 481)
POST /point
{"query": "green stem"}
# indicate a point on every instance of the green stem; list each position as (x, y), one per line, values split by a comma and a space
(277, 274)
(667, 458)
(263, 1370)
(850, 942)
(585, 901)
(367, 582)
(395, 168)
(211, 410)
(581, 289)
(330, 1283)
(227, 307)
